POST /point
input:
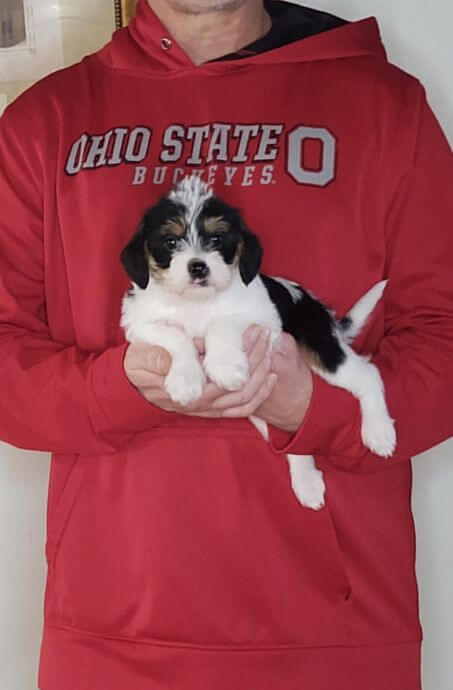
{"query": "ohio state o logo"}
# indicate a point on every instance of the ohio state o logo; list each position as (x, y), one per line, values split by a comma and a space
(295, 162)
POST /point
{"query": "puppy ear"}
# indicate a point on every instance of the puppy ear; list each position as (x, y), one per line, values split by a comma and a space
(251, 255)
(134, 259)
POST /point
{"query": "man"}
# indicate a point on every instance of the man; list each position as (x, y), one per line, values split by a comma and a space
(178, 556)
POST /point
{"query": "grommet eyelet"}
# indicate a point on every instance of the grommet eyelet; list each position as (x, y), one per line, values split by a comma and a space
(165, 43)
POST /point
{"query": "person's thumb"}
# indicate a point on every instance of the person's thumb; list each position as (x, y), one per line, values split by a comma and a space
(284, 354)
(158, 360)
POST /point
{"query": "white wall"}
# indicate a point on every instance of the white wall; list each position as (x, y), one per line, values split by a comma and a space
(418, 37)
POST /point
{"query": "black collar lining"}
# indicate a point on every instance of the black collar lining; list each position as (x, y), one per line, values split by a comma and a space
(290, 23)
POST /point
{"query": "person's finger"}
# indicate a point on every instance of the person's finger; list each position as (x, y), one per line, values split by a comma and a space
(207, 413)
(286, 345)
(256, 380)
(211, 393)
(246, 409)
(261, 348)
(199, 344)
(159, 361)
(147, 358)
(216, 399)
(157, 397)
(251, 336)
(252, 405)
(143, 379)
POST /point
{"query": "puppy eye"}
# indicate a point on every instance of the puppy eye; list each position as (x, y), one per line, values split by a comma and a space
(216, 241)
(171, 242)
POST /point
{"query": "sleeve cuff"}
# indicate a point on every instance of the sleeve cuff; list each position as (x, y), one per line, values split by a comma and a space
(118, 404)
(331, 420)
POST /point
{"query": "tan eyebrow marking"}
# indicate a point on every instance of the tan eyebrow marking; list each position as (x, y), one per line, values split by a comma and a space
(311, 356)
(216, 224)
(175, 226)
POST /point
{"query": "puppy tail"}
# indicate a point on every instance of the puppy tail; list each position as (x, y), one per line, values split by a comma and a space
(357, 316)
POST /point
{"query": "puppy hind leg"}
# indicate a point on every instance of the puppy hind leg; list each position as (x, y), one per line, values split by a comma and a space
(378, 430)
(362, 378)
(306, 481)
(261, 425)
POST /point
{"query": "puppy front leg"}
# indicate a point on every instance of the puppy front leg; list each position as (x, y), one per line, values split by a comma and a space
(185, 380)
(226, 363)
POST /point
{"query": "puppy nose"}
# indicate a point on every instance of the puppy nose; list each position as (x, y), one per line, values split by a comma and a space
(198, 269)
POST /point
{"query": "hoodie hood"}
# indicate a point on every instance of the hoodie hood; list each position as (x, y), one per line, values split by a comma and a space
(146, 46)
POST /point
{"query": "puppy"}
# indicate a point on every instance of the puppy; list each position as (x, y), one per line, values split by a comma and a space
(195, 265)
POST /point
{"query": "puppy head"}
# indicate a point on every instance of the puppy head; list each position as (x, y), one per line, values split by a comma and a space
(192, 244)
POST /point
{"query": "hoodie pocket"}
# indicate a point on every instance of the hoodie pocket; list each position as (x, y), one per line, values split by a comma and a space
(194, 537)
(59, 514)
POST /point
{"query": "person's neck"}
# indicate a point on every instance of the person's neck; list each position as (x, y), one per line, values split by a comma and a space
(208, 35)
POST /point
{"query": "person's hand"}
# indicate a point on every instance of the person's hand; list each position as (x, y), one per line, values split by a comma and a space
(287, 404)
(146, 367)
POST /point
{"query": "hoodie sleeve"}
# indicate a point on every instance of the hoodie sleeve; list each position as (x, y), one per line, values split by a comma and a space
(415, 356)
(53, 397)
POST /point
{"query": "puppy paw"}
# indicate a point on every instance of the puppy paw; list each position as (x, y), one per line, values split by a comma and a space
(185, 384)
(309, 487)
(228, 370)
(379, 435)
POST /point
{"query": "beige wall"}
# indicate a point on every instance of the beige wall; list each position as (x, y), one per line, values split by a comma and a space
(61, 32)
(73, 29)
(86, 25)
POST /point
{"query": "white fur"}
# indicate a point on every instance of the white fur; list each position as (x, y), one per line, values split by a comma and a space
(146, 315)
(177, 280)
(156, 304)
(226, 363)
(192, 192)
(306, 481)
(362, 309)
(362, 378)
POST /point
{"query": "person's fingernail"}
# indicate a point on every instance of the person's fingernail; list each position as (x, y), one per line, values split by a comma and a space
(271, 380)
(159, 362)
(255, 333)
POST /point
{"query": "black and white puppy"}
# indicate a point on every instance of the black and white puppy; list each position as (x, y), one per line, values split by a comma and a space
(195, 271)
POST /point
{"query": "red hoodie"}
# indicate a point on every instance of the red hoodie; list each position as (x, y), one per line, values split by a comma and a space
(178, 556)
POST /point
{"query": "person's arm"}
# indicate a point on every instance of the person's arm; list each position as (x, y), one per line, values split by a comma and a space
(53, 397)
(59, 398)
(415, 357)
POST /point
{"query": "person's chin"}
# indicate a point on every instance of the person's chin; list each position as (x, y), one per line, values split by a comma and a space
(204, 6)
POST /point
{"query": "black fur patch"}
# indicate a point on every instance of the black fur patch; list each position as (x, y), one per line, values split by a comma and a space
(150, 237)
(134, 260)
(214, 208)
(309, 322)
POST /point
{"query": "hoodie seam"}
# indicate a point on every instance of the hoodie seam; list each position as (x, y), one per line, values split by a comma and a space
(235, 66)
(226, 648)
